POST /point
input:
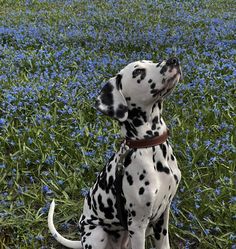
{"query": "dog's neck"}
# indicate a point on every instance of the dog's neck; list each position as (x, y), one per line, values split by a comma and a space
(143, 122)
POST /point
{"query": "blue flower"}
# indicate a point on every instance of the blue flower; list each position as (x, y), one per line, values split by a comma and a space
(39, 237)
(3, 122)
(50, 159)
(46, 190)
(2, 165)
(217, 191)
(233, 200)
(84, 191)
(30, 140)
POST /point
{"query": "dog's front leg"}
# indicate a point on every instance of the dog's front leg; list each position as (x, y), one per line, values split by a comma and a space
(137, 236)
(161, 231)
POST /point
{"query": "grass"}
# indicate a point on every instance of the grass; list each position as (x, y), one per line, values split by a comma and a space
(55, 55)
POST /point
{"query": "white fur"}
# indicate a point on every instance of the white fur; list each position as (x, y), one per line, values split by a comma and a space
(56, 235)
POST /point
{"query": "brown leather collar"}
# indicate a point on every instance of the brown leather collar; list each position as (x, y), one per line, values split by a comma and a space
(145, 143)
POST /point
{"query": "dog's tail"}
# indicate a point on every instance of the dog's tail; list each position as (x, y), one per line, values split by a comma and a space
(56, 235)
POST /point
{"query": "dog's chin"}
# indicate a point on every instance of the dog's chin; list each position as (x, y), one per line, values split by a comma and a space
(168, 89)
(172, 82)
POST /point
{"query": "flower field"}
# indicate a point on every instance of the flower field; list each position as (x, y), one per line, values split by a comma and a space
(54, 57)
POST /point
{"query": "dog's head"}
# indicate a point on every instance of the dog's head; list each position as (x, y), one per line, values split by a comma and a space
(142, 83)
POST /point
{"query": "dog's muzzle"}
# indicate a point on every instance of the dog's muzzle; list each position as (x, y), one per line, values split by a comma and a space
(174, 62)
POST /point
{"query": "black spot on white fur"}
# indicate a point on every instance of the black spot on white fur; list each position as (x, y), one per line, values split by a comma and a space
(161, 168)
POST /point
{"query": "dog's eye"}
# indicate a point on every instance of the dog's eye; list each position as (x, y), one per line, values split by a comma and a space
(139, 71)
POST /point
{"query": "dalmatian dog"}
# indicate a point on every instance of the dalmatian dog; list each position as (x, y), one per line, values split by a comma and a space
(120, 210)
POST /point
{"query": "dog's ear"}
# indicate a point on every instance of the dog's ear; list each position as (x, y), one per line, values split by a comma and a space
(111, 100)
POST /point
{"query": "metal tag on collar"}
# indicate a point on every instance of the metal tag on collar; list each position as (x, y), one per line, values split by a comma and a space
(120, 170)
(120, 165)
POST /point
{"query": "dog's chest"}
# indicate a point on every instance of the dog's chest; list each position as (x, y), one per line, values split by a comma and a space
(151, 180)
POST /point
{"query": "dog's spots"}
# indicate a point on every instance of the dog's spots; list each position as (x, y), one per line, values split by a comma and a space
(104, 183)
(106, 94)
(155, 168)
(156, 133)
(164, 232)
(109, 167)
(133, 213)
(154, 160)
(91, 227)
(154, 126)
(108, 211)
(155, 92)
(121, 110)
(137, 113)
(157, 228)
(130, 129)
(153, 107)
(150, 81)
(141, 177)
(94, 206)
(131, 232)
(137, 122)
(147, 183)
(129, 178)
(164, 150)
(141, 190)
(118, 82)
(176, 179)
(161, 168)
(148, 204)
(163, 69)
(128, 159)
(153, 85)
(172, 157)
(149, 132)
(155, 120)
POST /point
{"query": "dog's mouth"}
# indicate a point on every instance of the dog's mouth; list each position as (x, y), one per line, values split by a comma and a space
(172, 75)
(174, 78)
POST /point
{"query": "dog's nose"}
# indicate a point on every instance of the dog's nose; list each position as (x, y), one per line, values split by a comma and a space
(172, 62)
